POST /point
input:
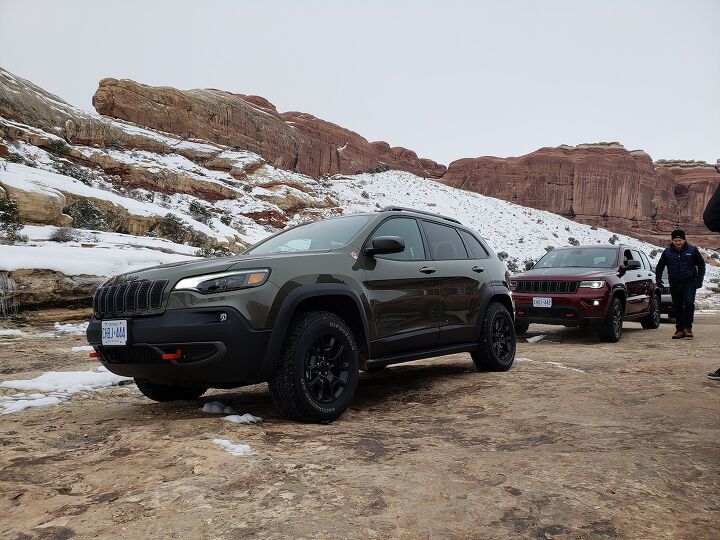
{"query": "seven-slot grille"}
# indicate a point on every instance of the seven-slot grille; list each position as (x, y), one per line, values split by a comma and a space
(551, 287)
(128, 297)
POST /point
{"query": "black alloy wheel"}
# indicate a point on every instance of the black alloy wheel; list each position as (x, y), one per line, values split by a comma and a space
(611, 329)
(496, 350)
(652, 321)
(327, 368)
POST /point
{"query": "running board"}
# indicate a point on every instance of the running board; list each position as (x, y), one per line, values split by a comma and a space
(419, 355)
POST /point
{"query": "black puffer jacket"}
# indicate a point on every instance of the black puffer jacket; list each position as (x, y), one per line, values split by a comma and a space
(685, 266)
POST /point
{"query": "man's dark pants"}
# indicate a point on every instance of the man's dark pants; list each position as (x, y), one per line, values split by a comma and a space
(683, 299)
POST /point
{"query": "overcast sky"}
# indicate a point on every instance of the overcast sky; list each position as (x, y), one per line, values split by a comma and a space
(448, 79)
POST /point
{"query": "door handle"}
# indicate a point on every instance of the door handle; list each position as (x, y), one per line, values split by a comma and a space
(478, 269)
(639, 275)
(428, 269)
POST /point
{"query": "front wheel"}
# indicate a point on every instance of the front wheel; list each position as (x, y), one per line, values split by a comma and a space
(611, 329)
(652, 321)
(521, 327)
(318, 369)
(168, 392)
(497, 340)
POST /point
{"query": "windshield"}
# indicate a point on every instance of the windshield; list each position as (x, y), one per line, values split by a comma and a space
(319, 235)
(579, 258)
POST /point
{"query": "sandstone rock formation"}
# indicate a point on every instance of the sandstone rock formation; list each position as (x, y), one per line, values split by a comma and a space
(36, 205)
(600, 184)
(295, 141)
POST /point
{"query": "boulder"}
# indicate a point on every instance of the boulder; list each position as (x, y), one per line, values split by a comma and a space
(36, 204)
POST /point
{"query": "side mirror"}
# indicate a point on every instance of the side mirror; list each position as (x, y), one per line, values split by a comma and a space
(529, 265)
(633, 265)
(382, 245)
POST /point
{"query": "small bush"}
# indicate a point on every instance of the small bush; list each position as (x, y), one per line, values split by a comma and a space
(73, 171)
(654, 253)
(365, 195)
(503, 255)
(247, 188)
(614, 238)
(594, 228)
(59, 146)
(199, 239)
(567, 228)
(715, 256)
(10, 224)
(573, 241)
(86, 215)
(173, 228)
(115, 144)
(226, 220)
(199, 212)
(214, 251)
(15, 158)
(512, 265)
(63, 234)
(548, 249)
(521, 240)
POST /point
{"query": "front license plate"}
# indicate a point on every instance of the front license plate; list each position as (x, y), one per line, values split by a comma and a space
(542, 302)
(114, 332)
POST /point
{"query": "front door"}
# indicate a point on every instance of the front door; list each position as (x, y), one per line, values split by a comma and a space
(402, 289)
(637, 299)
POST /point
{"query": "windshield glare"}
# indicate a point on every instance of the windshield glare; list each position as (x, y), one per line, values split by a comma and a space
(319, 235)
(579, 258)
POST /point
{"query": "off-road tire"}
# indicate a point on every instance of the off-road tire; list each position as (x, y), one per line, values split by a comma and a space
(290, 391)
(610, 330)
(168, 392)
(375, 369)
(521, 327)
(652, 321)
(497, 340)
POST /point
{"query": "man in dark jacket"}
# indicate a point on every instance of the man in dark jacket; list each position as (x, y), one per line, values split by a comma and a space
(711, 217)
(686, 270)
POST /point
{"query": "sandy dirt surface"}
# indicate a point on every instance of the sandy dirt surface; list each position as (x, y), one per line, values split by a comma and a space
(580, 439)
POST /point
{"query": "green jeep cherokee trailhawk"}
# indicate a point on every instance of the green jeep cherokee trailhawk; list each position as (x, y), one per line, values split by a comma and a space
(307, 309)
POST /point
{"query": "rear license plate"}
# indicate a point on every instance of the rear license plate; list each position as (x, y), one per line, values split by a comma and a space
(114, 332)
(542, 302)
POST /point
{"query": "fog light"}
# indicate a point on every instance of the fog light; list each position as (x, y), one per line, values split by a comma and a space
(223, 317)
(596, 302)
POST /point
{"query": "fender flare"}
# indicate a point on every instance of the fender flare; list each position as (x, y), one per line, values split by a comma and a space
(287, 310)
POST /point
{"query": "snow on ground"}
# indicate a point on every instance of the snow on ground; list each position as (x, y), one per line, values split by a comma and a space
(11, 332)
(83, 348)
(76, 329)
(59, 386)
(216, 407)
(246, 418)
(556, 364)
(235, 449)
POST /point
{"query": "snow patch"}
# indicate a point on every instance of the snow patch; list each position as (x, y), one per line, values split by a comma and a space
(83, 348)
(536, 339)
(235, 449)
(11, 332)
(217, 407)
(556, 364)
(246, 418)
(76, 329)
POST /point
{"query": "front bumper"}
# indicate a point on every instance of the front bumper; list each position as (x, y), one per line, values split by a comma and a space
(567, 310)
(212, 352)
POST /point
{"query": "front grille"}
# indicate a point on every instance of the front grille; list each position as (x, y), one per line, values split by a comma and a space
(550, 287)
(128, 297)
(666, 290)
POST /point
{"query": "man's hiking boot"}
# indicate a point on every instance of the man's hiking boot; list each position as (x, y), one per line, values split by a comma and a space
(679, 334)
(715, 375)
(688, 333)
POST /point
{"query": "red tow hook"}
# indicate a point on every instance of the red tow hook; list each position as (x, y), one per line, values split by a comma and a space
(173, 356)
(94, 354)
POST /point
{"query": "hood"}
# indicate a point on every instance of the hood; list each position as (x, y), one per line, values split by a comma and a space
(565, 273)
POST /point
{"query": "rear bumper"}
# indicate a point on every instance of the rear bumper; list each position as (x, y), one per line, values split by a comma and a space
(212, 352)
(566, 310)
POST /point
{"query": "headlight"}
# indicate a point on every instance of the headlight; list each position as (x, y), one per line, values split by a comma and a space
(513, 285)
(224, 281)
(592, 284)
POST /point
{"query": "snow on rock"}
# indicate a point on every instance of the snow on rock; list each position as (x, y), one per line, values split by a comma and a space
(59, 385)
(246, 418)
(235, 449)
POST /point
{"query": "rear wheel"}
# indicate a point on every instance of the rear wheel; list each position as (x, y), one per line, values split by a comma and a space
(317, 373)
(611, 329)
(168, 392)
(497, 340)
(652, 321)
(521, 327)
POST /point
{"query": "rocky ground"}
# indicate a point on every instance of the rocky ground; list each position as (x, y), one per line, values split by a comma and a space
(580, 439)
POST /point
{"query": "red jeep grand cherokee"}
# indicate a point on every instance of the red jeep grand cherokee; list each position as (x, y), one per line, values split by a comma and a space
(595, 286)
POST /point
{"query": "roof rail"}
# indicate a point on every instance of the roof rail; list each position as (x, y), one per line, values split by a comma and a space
(404, 209)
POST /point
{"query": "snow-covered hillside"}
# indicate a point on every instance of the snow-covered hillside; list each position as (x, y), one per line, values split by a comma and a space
(244, 207)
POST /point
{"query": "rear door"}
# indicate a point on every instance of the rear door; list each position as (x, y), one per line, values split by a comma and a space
(460, 286)
(402, 290)
(647, 277)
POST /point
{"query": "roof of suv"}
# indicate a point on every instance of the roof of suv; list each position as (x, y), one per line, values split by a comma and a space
(419, 212)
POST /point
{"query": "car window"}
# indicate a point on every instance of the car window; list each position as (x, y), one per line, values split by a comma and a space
(444, 242)
(408, 230)
(627, 256)
(646, 261)
(476, 249)
(636, 257)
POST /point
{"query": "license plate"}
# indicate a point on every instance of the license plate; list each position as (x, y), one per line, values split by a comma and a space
(542, 302)
(114, 332)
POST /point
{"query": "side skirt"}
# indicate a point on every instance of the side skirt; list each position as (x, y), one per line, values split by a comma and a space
(419, 355)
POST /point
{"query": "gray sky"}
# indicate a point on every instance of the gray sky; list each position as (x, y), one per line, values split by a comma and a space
(448, 79)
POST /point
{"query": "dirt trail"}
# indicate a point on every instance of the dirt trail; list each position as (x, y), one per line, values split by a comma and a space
(611, 440)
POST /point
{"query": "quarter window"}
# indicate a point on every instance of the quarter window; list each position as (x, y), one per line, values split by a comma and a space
(408, 230)
(444, 242)
(476, 249)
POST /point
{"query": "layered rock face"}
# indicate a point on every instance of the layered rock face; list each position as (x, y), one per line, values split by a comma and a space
(599, 184)
(293, 140)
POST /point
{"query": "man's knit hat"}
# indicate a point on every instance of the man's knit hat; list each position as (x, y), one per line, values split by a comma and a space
(677, 233)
